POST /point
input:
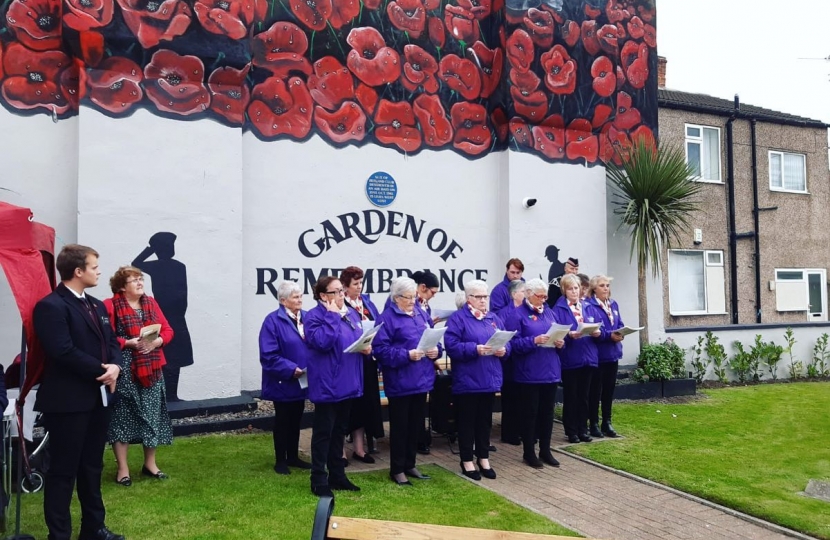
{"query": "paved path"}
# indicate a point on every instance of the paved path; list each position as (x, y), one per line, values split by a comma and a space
(595, 502)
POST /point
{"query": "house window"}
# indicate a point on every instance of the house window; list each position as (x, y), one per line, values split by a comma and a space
(787, 172)
(790, 289)
(703, 152)
(696, 282)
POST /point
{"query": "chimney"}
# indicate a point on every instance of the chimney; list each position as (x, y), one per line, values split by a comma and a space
(661, 71)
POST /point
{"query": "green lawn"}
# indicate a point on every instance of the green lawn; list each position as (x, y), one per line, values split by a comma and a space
(749, 448)
(222, 487)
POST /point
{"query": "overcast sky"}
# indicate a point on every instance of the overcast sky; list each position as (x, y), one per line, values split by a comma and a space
(750, 48)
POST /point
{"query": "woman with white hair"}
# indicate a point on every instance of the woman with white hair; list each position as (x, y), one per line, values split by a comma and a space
(477, 376)
(408, 374)
(609, 353)
(284, 358)
(536, 370)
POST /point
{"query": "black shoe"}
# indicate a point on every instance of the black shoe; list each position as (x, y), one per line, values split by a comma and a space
(366, 458)
(372, 449)
(159, 475)
(423, 449)
(125, 481)
(595, 432)
(492, 448)
(403, 482)
(486, 473)
(415, 473)
(298, 463)
(514, 441)
(322, 491)
(344, 484)
(474, 474)
(101, 534)
(573, 439)
(282, 468)
(345, 462)
(533, 461)
(584, 437)
(549, 459)
(608, 430)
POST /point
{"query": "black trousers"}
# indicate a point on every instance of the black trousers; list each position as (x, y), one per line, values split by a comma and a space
(77, 441)
(536, 413)
(406, 421)
(575, 386)
(474, 414)
(603, 382)
(511, 419)
(171, 382)
(366, 411)
(331, 422)
(287, 418)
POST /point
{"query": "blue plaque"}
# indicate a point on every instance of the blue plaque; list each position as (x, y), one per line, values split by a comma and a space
(381, 189)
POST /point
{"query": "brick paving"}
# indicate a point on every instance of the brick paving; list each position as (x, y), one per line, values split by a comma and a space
(588, 499)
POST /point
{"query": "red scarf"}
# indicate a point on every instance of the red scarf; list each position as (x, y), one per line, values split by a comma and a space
(479, 315)
(358, 306)
(576, 309)
(607, 308)
(146, 368)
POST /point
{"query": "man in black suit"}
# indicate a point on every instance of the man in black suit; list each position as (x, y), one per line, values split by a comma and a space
(83, 361)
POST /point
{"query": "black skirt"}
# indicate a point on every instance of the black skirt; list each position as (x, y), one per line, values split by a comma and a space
(366, 410)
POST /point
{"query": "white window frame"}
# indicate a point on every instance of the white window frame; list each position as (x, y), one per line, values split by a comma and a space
(716, 261)
(783, 153)
(699, 140)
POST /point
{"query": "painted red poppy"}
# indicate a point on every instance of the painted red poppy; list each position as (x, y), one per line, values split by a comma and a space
(634, 59)
(570, 33)
(461, 75)
(437, 34)
(647, 14)
(627, 116)
(650, 36)
(636, 27)
(433, 120)
(281, 108)
(371, 4)
(472, 136)
(461, 24)
(520, 50)
(620, 77)
(92, 47)
(175, 83)
(348, 123)
(343, 12)
(480, 9)
(549, 137)
(605, 81)
(581, 142)
(602, 113)
(115, 85)
(370, 59)
(419, 70)
(613, 144)
(408, 16)
(70, 83)
(313, 14)
(499, 120)
(367, 97)
(528, 100)
(560, 70)
(331, 83)
(555, 13)
(395, 125)
(491, 64)
(82, 15)
(33, 79)
(621, 32)
(644, 133)
(281, 49)
(154, 22)
(589, 37)
(229, 93)
(521, 133)
(614, 12)
(36, 23)
(230, 18)
(607, 36)
(591, 12)
(539, 24)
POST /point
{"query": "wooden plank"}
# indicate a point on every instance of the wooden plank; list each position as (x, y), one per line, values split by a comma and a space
(370, 529)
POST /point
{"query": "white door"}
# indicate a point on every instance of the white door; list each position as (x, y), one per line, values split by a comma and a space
(816, 295)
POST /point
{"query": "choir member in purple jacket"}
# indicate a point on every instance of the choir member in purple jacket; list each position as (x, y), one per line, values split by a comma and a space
(427, 287)
(476, 377)
(609, 353)
(335, 378)
(578, 358)
(500, 296)
(408, 374)
(510, 420)
(536, 370)
(284, 358)
(366, 418)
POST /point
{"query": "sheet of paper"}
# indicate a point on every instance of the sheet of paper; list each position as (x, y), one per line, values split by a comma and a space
(556, 333)
(626, 330)
(303, 380)
(499, 339)
(430, 338)
(367, 325)
(586, 329)
(442, 314)
(105, 395)
(364, 341)
(29, 414)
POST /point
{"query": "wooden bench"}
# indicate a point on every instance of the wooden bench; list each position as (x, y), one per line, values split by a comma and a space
(328, 527)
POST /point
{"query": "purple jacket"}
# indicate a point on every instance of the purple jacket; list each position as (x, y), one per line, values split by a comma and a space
(500, 295)
(281, 351)
(332, 374)
(533, 364)
(607, 350)
(399, 335)
(580, 352)
(470, 372)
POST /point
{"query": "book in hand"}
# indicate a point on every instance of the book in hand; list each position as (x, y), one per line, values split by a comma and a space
(626, 330)
(149, 333)
(586, 329)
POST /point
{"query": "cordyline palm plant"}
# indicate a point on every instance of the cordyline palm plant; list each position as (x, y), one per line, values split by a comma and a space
(654, 194)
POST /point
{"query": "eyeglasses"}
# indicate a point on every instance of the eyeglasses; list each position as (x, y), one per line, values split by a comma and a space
(480, 296)
(407, 298)
(541, 296)
(138, 279)
(338, 292)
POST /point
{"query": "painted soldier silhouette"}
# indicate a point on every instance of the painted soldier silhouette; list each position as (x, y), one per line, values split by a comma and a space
(557, 268)
(169, 281)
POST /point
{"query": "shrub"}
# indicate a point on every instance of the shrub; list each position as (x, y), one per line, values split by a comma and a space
(757, 353)
(771, 355)
(700, 363)
(717, 356)
(660, 362)
(741, 363)
(796, 367)
(820, 364)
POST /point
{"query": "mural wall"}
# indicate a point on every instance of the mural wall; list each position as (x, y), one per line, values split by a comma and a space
(566, 80)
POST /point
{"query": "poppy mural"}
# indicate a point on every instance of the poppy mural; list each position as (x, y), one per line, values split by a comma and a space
(568, 80)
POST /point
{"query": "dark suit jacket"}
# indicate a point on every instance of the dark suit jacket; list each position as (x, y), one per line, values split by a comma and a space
(75, 349)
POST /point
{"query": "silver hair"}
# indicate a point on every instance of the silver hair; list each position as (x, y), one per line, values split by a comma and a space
(516, 285)
(402, 285)
(286, 289)
(537, 284)
(475, 285)
(596, 280)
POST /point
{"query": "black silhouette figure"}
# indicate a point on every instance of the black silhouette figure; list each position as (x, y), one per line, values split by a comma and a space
(169, 280)
(557, 269)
